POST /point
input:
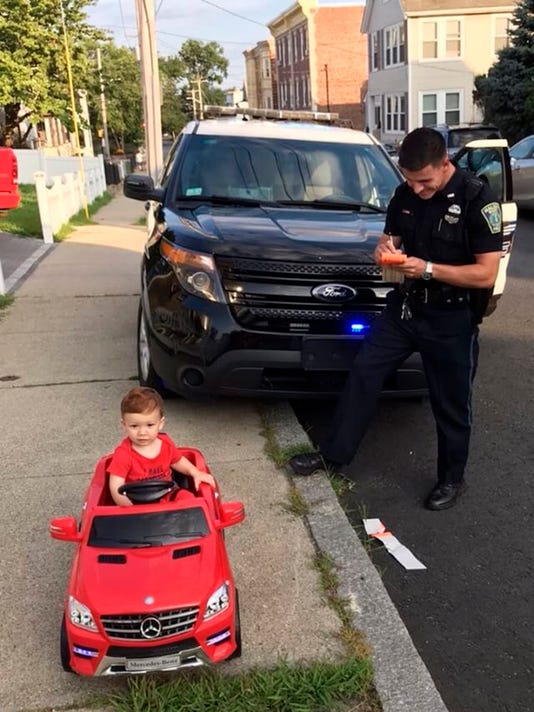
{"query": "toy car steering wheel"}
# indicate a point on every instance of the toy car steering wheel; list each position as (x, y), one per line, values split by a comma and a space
(146, 491)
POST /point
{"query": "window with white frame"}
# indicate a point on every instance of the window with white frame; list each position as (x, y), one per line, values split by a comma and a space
(375, 63)
(430, 40)
(395, 113)
(453, 38)
(441, 39)
(266, 69)
(441, 107)
(394, 45)
(501, 38)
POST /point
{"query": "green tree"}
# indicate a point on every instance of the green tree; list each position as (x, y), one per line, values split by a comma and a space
(204, 61)
(33, 59)
(121, 78)
(174, 114)
(506, 93)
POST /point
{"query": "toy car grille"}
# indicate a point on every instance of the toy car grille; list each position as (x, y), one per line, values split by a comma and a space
(162, 624)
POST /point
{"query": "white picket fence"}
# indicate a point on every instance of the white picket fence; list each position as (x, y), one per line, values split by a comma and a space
(61, 197)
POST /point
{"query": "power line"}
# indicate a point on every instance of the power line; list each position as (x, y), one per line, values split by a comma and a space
(188, 37)
(235, 14)
(159, 7)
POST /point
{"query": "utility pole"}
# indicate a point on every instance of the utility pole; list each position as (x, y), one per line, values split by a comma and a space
(327, 88)
(103, 110)
(150, 83)
(200, 101)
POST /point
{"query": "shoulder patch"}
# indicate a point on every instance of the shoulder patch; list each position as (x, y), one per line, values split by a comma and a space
(492, 215)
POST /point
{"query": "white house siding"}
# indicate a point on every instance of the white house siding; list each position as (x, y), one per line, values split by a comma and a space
(441, 75)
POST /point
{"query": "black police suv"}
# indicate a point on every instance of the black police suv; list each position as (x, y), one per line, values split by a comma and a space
(258, 275)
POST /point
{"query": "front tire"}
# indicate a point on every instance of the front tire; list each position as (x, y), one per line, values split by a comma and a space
(146, 374)
(237, 627)
(64, 647)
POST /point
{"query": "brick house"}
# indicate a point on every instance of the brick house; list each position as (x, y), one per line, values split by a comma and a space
(321, 58)
(423, 58)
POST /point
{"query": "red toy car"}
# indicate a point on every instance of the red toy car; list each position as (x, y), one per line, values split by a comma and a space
(150, 587)
(9, 191)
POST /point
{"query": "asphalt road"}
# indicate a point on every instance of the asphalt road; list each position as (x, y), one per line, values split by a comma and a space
(470, 613)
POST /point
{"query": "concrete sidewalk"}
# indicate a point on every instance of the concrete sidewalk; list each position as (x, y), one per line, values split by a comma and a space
(67, 355)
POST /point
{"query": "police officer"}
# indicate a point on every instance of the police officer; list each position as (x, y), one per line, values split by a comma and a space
(448, 223)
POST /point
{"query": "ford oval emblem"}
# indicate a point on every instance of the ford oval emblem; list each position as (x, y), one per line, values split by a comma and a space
(335, 293)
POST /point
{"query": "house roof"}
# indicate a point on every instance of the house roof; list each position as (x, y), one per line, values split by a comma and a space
(440, 6)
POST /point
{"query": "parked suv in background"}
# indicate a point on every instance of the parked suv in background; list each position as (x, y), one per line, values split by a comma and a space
(258, 276)
(456, 137)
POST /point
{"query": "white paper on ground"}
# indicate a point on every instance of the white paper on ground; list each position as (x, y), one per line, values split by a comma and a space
(376, 529)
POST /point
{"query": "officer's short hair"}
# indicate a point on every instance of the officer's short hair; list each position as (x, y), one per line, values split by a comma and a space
(421, 147)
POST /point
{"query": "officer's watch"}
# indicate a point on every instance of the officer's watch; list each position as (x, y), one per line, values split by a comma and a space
(427, 274)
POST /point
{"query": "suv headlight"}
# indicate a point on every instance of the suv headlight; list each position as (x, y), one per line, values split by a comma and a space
(80, 615)
(195, 271)
(218, 601)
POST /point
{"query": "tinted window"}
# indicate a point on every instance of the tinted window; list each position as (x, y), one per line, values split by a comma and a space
(459, 137)
(151, 529)
(523, 149)
(286, 170)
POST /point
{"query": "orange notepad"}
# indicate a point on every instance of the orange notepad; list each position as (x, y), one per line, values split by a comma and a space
(392, 258)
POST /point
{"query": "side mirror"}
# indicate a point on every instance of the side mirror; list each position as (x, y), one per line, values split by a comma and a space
(64, 529)
(141, 187)
(232, 513)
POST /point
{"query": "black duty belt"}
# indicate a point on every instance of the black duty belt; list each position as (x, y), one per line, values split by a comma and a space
(416, 291)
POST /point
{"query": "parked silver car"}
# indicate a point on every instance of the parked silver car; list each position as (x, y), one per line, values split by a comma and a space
(522, 154)
(487, 165)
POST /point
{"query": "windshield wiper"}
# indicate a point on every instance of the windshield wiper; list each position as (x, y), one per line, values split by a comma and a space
(220, 200)
(333, 205)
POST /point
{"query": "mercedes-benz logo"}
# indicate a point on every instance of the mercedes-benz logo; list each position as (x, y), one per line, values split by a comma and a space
(150, 627)
(334, 293)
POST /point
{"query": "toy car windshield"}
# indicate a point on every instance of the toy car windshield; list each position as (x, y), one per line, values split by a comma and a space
(150, 529)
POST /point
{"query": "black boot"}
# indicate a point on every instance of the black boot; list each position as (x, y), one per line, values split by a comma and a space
(444, 496)
(309, 462)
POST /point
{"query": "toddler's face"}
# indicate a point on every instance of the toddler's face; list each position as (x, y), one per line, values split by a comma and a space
(142, 428)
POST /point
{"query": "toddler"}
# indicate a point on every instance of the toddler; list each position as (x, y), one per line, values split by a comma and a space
(147, 453)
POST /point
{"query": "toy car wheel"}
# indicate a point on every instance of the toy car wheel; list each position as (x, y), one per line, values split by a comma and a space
(147, 376)
(146, 491)
(237, 624)
(64, 647)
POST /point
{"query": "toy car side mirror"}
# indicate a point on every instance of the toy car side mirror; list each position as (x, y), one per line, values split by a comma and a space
(232, 513)
(64, 529)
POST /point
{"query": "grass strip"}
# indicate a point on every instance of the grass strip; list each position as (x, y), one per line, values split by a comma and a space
(318, 687)
(25, 219)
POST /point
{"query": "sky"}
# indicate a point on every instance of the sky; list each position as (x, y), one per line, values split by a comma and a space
(178, 20)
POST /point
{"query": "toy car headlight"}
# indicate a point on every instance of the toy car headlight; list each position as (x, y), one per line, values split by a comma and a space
(80, 615)
(217, 602)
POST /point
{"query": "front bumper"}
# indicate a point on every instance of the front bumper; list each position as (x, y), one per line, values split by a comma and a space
(93, 654)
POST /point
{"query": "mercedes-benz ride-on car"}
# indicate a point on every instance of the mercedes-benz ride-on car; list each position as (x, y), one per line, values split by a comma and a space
(258, 275)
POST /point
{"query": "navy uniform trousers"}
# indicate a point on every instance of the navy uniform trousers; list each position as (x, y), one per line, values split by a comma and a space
(447, 340)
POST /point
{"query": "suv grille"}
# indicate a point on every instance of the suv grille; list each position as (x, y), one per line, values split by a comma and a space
(276, 296)
(128, 627)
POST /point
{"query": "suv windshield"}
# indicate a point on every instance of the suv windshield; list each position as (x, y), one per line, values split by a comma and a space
(286, 171)
(154, 529)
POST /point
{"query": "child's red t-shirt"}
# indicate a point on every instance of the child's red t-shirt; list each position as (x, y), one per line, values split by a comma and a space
(130, 464)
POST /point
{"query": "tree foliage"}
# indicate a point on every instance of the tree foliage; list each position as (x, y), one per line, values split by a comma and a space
(33, 58)
(506, 93)
(196, 64)
(204, 61)
(121, 79)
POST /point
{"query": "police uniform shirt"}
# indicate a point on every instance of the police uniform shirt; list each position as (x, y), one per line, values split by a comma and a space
(438, 229)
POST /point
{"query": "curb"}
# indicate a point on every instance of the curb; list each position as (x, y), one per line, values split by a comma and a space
(401, 678)
(24, 269)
